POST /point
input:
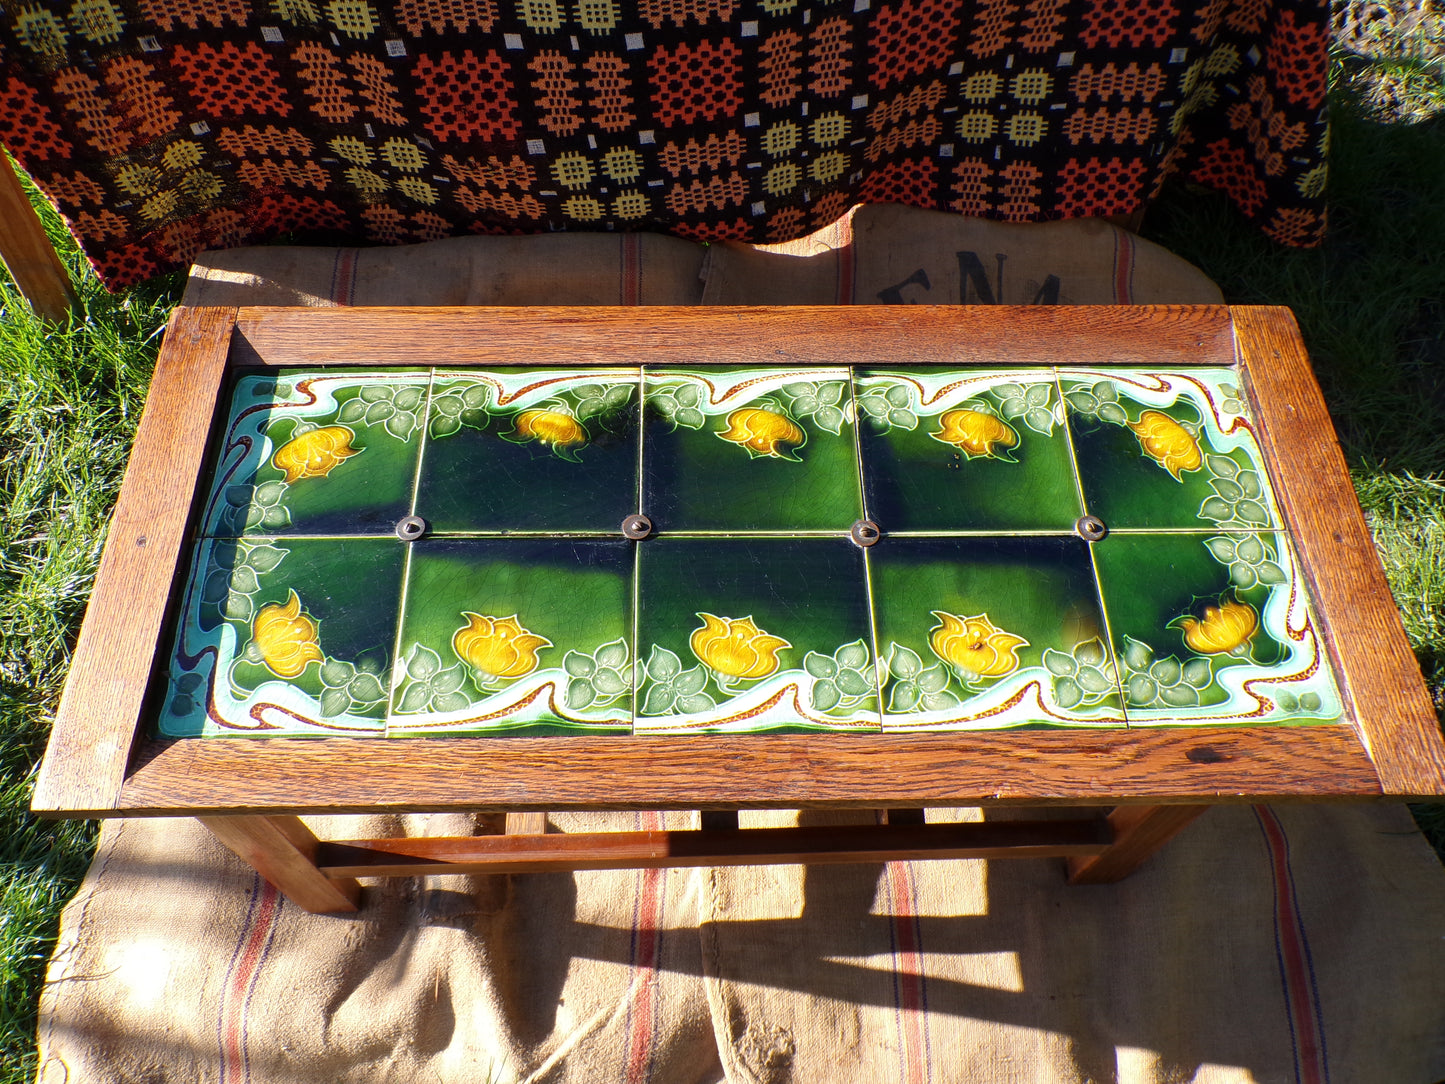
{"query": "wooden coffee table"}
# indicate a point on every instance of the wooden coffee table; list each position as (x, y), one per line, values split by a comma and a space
(523, 560)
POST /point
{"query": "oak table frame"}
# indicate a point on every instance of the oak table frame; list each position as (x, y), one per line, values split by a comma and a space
(1136, 786)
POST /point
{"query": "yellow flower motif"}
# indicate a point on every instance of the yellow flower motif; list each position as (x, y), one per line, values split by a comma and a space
(1165, 440)
(763, 432)
(974, 645)
(550, 427)
(736, 647)
(497, 647)
(286, 637)
(976, 433)
(1224, 628)
(315, 453)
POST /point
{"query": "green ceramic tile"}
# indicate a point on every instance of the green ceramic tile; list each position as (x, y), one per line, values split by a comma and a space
(515, 637)
(531, 450)
(1214, 628)
(317, 453)
(281, 637)
(750, 450)
(965, 450)
(1167, 450)
(762, 634)
(987, 633)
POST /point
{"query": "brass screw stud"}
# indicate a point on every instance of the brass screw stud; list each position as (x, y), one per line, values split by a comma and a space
(1090, 528)
(865, 533)
(410, 528)
(636, 527)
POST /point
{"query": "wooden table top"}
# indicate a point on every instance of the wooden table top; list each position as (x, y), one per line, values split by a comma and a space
(1233, 526)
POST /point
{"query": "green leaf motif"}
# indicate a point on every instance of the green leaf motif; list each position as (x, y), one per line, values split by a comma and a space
(830, 418)
(690, 682)
(1040, 420)
(238, 607)
(475, 417)
(336, 674)
(938, 701)
(1242, 575)
(1091, 652)
(269, 494)
(1249, 482)
(1270, 573)
(444, 425)
(897, 395)
(578, 664)
(1221, 466)
(1228, 490)
(1059, 664)
(1180, 696)
(854, 683)
(904, 662)
(580, 694)
(1067, 693)
(1166, 671)
(825, 695)
(903, 419)
(375, 393)
(695, 704)
(448, 680)
(189, 683)
(1106, 392)
(353, 410)
(1221, 548)
(1093, 680)
(1250, 549)
(1311, 702)
(422, 663)
(904, 697)
(334, 702)
(216, 587)
(1217, 509)
(408, 398)
(852, 656)
(265, 558)
(663, 665)
(1198, 673)
(449, 702)
(1137, 655)
(690, 418)
(933, 680)
(613, 654)
(366, 689)
(379, 412)
(1251, 512)
(608, 682)
(1113, 413)
(401, 424)
(448, 406)
(820, 666)
(1038, 394)
(1082, 401)
(1141, 690)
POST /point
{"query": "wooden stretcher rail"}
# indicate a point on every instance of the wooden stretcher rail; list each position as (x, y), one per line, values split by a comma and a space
(1079, 837)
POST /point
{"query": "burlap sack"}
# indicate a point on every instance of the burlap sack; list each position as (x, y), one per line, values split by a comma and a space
(1293, 945)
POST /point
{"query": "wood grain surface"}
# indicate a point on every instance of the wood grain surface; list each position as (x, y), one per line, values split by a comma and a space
(28, 254)
(1153, 336)
(1385, 692)
(283, 851)
(1076, 837)
(1064, 767)
(101, 705)
(1139, 832)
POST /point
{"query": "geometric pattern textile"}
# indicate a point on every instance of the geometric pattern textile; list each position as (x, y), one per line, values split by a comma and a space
(162, 127)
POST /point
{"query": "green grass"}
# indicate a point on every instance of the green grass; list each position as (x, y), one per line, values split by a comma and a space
(69, 401)
(1371, 303)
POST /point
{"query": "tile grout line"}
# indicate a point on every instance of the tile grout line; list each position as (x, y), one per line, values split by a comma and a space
(864, 510)
(1069, 443)
(1109, 638)
(636, 631)
(873, 634)
(396, 659)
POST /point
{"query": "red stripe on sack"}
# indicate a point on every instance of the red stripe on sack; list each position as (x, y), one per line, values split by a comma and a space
(631, 269)
(1296, 969)
(241, 981)
(343, 277)
(646, 948)
(1123, 267)
(909, 994)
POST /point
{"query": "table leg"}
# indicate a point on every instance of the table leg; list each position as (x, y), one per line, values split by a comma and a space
(283, 851)
(1139, 831)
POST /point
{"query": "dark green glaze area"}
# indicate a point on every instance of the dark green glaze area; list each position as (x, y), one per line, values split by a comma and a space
(1040, 589)
(810, 592)
(364, 493)
(914, 482)
(575, 594)
(1128, 489)
(1151, 581)
(693, 480)
(474, 478)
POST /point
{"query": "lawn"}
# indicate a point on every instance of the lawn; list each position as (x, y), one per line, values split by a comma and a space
(1370, 301)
